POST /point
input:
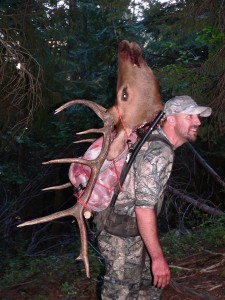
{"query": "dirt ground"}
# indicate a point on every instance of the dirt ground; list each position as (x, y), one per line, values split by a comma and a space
(199, 276)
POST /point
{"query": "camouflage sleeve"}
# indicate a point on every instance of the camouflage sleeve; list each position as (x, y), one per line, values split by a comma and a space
(153, 168)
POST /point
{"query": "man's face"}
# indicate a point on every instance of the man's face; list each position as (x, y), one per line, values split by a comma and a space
(186, 127)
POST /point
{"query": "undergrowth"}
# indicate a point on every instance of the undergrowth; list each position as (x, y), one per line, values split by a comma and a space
(63, 272)
(67, 275)
(209, 235)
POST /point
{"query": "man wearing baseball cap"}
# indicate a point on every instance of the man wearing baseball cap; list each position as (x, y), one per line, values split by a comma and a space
(182, 119)
(136, 265)
(186, 105)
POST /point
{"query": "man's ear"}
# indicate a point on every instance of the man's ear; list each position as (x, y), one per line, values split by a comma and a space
(170, 120)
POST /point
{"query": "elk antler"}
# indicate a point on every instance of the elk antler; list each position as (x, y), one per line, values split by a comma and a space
(77, 210)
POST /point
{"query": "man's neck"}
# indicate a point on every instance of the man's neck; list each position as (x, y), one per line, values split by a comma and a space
(172, 137)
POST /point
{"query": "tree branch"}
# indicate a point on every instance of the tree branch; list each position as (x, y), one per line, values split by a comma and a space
(197, 203)
(206, 166)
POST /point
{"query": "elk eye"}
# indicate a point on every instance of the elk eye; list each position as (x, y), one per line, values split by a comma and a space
(124, 94)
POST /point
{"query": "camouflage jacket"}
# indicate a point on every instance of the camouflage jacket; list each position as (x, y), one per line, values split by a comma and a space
(146, 181)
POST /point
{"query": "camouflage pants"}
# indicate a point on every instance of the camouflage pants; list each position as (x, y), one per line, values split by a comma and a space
(127, 269)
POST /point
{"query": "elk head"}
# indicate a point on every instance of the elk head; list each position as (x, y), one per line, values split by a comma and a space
(138, 100)
(138, 97)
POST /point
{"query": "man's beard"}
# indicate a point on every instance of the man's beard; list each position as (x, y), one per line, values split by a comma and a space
(192, 134)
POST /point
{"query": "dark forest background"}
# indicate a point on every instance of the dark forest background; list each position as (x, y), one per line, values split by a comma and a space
(54, 51)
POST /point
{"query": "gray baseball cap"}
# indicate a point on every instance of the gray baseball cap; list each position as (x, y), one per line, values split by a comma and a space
(186, 105)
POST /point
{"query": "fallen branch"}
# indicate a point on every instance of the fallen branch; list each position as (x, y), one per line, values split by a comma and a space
(180, 288)
(216, 287)
(214, 253)
(208, 269)
(180, 268)
(204, 207)
(205, 270)
(206, 166)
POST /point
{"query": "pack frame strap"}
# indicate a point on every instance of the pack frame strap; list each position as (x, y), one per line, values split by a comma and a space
(134, 153)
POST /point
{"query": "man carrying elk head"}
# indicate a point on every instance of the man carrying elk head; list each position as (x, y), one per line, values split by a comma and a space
(135, 265)
(128, 237)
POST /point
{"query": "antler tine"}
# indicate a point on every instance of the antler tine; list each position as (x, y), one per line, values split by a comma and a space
(77, 210)
(58, 187)
(85, 141)
(94, 106)
(90, 131)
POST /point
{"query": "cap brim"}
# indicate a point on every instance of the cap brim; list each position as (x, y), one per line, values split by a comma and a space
(202, 111)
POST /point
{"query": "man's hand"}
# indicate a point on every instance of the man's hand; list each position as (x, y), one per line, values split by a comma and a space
(161, 272)
(147, 226)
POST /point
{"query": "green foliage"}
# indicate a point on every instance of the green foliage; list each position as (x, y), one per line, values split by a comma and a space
(62, 271)
(58, 133)
(213, 231)
(9, 173)
(211, 38)
(210, 235)
(68, 290)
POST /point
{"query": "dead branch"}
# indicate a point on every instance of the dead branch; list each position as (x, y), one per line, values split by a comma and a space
(197, 203)
(210, 268)
(206, 166)
(215, 287)
(214, 253)
(180, 268)
(20, 76)
(183, 289)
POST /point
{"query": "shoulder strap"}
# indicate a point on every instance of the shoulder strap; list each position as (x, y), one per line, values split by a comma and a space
(134, 153)
(160, 137)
